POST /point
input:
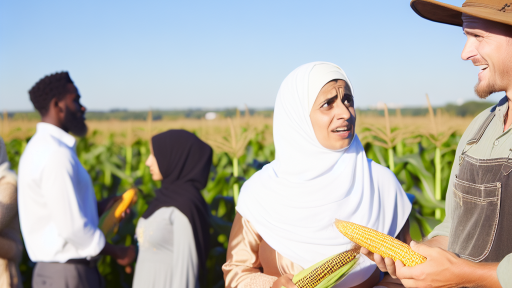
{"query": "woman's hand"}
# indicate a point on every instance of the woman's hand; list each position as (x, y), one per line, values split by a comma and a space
(384, 264)
(284, 281)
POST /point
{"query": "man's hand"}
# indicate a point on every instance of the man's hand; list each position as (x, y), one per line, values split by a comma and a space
(388, 265)
(445, 269)
(123, 255)
(126, 255)
(284, 281)
(442, 269)
(106, 203)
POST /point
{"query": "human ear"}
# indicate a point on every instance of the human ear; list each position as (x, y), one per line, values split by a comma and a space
(60, 105)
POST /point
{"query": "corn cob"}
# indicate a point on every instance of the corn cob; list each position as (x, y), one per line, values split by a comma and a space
(380, 243)
(109, 221)
(327, 272)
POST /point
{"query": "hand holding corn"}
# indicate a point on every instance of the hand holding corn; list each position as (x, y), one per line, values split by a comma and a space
(109, 221)
(379, 243)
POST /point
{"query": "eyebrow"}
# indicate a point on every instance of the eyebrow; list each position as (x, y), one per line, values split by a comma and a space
(468, 31)
(328, 100)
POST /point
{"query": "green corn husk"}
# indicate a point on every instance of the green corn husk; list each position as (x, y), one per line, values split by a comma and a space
(328, 272)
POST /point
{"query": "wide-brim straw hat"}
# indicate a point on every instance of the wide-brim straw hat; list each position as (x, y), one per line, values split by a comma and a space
(494, 10)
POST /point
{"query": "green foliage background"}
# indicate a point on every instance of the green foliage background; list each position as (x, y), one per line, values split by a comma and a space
(115, 167)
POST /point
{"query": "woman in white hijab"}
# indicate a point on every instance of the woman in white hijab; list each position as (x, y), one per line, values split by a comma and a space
(11, 247)
(286, 211)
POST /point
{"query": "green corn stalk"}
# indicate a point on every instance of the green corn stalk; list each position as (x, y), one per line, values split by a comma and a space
(400, 144)
(400, 148)
(129, 155)
(391, 158)
(236, 188)
(23, 145)
(437, 159)
(107, 180)
(129, 151)
(143, 156)
(387, 138)
(234, 144)
(437, 189)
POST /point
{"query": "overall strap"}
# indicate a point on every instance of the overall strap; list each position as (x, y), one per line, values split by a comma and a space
(480, 132)
(477, 136)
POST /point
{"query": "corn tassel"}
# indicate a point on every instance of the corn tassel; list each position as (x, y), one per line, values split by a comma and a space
(109, 221)
(380, 243)
(327, 272)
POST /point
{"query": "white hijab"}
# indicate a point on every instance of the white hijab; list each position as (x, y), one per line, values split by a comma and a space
(293, 201)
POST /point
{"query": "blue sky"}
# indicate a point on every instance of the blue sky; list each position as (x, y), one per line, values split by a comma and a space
(143, 55)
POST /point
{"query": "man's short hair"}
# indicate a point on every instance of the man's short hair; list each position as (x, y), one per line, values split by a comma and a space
(49, 87)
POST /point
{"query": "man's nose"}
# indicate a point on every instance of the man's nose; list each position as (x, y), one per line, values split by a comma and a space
(469, 50)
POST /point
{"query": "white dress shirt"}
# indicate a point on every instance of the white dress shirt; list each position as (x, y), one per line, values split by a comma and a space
(56, 200)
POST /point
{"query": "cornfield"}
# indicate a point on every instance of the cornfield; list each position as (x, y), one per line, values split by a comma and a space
(419, 150)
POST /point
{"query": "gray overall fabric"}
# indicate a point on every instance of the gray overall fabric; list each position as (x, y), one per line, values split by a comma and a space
(493, 143)
(64, 275)
(480, 214)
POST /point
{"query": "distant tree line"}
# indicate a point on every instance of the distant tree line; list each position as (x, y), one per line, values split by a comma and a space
(471, 108)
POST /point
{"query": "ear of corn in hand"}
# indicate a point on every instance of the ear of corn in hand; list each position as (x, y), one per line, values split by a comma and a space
(109, 221)
(379, 243)
(327, 272)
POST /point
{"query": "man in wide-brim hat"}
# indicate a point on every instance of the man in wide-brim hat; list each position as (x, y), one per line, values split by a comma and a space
(472, 247)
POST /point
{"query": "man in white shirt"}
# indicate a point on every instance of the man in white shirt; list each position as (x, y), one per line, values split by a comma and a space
(57, 205)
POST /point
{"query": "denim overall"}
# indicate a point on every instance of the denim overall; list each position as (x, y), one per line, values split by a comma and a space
(481, 229)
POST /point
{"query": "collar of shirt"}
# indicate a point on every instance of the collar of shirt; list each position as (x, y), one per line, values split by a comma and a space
(47, 128)
(501, 111)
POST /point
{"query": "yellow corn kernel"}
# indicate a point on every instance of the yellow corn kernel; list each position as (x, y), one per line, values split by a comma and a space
(126, 200)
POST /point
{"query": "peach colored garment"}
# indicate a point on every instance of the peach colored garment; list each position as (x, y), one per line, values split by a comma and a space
(250, 261)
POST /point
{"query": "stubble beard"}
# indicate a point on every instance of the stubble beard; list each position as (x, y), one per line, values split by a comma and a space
(484, 91)
(496, 82)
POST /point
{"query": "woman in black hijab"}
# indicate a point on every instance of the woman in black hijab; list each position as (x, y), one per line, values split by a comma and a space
(173, 233)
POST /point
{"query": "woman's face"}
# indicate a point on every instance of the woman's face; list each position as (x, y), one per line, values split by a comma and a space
(333, 116)
(153, 167)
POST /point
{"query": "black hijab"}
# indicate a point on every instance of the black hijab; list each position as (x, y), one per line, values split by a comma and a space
(184, 162)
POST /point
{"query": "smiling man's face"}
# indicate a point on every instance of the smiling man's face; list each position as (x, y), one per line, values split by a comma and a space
(489, 46)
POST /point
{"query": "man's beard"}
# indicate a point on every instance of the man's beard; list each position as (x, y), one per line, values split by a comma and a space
(74, 123)
(496, 82)
(484, 91)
